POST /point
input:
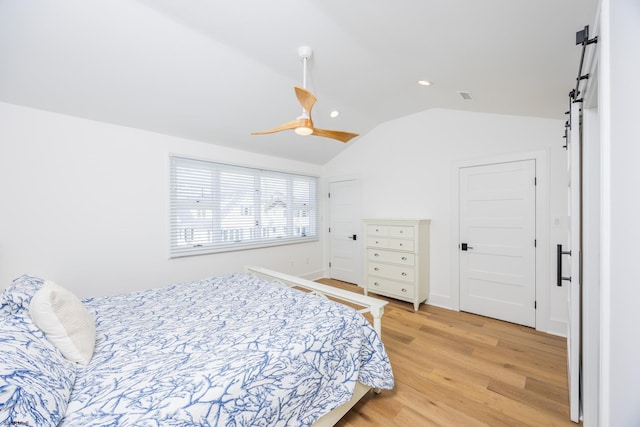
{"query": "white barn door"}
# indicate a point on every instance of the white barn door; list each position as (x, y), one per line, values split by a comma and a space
(572, 275)
(497, 218)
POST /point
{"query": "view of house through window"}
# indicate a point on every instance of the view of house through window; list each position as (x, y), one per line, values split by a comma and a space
(219, 207)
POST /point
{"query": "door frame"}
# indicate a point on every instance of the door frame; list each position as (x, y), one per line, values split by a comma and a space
(542, 280)
(327, 214)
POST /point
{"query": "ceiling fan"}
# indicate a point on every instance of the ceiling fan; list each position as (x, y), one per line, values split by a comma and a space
(303, 125)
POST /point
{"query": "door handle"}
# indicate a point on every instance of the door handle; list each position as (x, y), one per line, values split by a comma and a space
(465, 246)
(559, 277)
(354, 237)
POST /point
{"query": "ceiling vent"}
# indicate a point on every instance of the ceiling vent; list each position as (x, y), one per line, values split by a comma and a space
(465, 95)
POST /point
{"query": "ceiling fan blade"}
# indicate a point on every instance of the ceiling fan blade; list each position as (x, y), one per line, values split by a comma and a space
(286, 126)
(334, 134)
(305, 98)
(303, 125)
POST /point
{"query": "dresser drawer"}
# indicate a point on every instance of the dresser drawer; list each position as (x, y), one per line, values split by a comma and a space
(401, 231)
(395, 272)
(377, 242)
(401, 290)
(377, 230)
(377, 255)
(386, 243)
(403, 245)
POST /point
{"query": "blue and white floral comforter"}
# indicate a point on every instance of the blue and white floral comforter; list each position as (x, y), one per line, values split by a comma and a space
(228, 351)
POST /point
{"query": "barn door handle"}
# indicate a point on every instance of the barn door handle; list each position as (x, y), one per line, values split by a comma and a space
(354, 237)
(465, 246)
(559, 254)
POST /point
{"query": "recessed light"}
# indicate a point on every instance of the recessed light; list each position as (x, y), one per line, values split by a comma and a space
(334, 114)
(424, 83)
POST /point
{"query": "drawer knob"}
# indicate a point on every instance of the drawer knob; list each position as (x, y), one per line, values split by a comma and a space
(404, 274)
(377, 243)
(376, 254)
(376, 284)
(376, 268)
(401, 244)
(404, 290)
(401, 231)
(404, 258)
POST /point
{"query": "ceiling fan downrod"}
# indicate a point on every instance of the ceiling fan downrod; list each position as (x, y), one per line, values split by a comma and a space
(305, 53)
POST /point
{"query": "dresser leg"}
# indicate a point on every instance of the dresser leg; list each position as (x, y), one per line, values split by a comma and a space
(416, 306)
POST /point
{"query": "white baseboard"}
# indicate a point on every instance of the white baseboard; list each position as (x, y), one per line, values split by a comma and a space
(313, 275)
(442, 301)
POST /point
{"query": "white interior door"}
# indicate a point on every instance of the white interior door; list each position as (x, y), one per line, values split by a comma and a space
(344, 231)
(574, 145)
(497, 241)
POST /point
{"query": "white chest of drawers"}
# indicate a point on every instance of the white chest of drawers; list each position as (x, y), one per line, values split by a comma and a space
(397, 259)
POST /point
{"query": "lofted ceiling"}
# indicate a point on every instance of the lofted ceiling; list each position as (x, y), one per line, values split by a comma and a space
(215, 71)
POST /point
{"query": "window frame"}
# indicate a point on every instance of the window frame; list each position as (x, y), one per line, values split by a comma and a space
(208, 233)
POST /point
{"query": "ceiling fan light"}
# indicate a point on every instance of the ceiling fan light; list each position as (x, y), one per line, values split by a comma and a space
(303, 130)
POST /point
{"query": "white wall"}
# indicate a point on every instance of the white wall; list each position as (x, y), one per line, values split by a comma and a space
(86, 204)
(406, 166)
(620, 286)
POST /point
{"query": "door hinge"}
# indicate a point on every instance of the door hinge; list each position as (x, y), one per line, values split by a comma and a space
(329, 195)
(329, 265)
(535, 180)
(535, 305)
(535, 243)
(329, 229)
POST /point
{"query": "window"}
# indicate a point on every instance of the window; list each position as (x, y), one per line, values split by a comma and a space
(218, 207)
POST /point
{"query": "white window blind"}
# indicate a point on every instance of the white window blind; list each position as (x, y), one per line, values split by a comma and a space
(218, 207)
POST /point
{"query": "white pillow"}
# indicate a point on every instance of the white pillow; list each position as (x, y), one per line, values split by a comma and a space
(65, 321)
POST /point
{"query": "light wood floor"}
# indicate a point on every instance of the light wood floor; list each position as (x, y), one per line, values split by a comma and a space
(459, 369)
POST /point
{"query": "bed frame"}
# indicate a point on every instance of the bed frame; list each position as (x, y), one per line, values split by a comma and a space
(368, 304)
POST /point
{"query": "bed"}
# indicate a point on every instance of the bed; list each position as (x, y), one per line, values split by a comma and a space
(242, 349)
